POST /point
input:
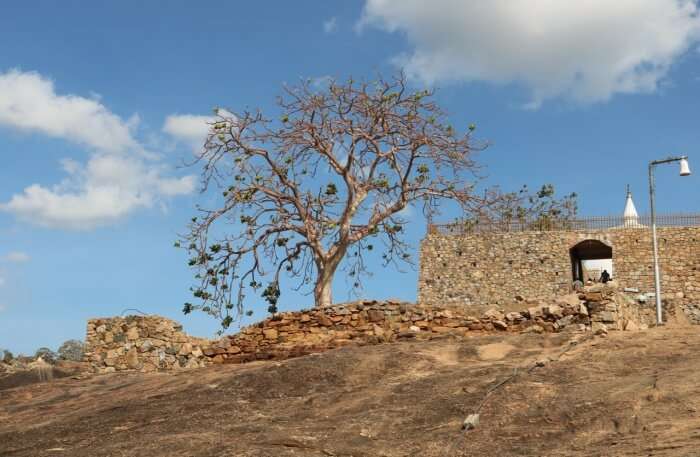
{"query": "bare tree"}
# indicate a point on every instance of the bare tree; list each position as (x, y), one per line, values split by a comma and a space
(315, 189)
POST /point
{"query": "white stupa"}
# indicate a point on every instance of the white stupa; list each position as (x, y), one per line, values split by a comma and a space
(630, 216)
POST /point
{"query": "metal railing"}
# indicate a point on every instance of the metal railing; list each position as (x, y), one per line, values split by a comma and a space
(579, 224)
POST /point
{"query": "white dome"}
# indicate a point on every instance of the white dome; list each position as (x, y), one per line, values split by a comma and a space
(630, 216)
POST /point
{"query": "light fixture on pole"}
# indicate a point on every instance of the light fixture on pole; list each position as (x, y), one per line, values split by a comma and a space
(685, 171)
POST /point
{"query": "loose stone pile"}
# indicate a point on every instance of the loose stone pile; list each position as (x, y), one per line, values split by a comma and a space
(150, 343)
(144, 343)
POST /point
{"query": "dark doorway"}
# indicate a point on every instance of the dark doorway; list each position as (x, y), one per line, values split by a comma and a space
(588, 260)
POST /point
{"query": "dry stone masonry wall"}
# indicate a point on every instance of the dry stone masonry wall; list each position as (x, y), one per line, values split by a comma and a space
(150, 343)
(143, 343)
(499, 268)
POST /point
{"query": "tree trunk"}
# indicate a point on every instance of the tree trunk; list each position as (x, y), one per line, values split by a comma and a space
(322, 292)
(323, 295)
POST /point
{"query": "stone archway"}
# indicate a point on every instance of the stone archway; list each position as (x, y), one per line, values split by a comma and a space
(589, 250)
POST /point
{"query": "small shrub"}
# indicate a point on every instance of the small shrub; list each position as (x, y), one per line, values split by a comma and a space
(71, 350)
(46, 354)
(6, 356)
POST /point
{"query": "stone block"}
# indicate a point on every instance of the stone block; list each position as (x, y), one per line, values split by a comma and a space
(631, 326)
(375, 315)
(534, 312)
(514, 317)
(500, 325)
(440, 329)
(605, 316)
(565, 321)
(185, 349)
(598, 328)
(494, 314)
(533, 329)
(132, 359)
(132, 334)
(323, 320)
(593, 296)
(270, 334)
(555, 311)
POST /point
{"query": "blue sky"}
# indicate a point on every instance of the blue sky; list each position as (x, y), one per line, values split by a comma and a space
(100, 104)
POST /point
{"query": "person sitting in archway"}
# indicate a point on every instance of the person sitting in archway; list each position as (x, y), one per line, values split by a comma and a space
(604, 276)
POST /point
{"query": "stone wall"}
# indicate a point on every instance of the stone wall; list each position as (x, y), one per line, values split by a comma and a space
(153, 343)
(501, 268)
(144, 343)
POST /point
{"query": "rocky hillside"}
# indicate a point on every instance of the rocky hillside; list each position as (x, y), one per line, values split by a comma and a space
(569, 394)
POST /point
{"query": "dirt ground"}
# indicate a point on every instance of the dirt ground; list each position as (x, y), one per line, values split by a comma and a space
(628, 394)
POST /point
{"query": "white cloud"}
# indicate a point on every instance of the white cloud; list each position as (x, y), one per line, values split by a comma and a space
(103, 191)
(29, 102)
(119, 177)
(191, 129)
(16, 257)
(586, 51)
(330, 25)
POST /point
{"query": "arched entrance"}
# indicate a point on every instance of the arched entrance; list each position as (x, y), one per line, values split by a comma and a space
(589, 258)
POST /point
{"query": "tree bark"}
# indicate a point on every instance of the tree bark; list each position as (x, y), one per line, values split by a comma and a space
(323, 295)
(323, 291)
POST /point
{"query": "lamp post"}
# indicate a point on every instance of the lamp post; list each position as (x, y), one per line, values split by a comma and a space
(684, 171)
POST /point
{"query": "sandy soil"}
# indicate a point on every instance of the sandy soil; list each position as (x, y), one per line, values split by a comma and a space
(629, 394)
